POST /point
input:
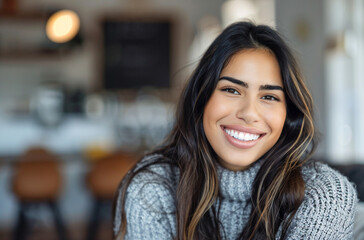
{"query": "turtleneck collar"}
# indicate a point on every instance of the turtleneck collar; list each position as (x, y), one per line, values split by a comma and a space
(237, 185)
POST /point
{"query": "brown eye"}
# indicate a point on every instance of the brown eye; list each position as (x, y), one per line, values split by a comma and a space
(270, 98)
(231, 90)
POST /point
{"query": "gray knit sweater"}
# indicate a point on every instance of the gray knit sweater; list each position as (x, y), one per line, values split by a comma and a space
(327, 211)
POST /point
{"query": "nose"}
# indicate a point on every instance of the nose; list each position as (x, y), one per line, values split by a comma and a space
(248, 111)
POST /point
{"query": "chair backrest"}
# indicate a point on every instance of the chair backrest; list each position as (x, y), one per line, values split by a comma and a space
(106, 174)
(37, 176)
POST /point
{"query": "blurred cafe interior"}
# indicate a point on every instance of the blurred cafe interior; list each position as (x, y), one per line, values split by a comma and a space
(87, 87)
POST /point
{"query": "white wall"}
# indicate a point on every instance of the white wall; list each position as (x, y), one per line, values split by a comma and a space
(344, 80)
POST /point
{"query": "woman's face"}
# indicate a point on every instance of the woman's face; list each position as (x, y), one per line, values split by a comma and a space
(245, 115)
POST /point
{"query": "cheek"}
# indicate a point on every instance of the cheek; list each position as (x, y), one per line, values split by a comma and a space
(276, 120)
(215, 109)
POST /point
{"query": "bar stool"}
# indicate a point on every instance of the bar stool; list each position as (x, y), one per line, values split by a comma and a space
(103, 180)
(37, 182)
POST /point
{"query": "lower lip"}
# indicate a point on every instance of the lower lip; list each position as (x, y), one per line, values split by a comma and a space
(239, 143)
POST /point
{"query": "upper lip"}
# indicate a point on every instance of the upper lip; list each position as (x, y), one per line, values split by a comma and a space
(243, 129)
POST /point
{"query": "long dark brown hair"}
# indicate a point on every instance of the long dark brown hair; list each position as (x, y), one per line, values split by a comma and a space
(278, 188)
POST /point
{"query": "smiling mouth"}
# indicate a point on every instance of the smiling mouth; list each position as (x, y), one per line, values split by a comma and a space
(242, 136)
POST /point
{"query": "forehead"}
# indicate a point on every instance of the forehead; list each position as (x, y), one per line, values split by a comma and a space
(254, 66)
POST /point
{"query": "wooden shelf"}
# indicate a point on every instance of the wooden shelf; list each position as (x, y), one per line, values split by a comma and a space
(20, 15)
(35, 54)
(16, 45)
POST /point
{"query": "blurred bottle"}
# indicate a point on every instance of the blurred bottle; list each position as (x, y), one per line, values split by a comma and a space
(47, 104)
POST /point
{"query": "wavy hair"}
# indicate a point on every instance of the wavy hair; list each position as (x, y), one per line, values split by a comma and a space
(278, 188)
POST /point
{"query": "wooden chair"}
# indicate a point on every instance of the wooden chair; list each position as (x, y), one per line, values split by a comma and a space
(36, 182)
(103, 180)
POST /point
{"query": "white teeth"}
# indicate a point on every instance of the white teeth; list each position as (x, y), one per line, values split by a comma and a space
(241, 135)
(249, 136)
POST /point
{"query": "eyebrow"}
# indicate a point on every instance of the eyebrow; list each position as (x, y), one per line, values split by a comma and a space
(244, 84)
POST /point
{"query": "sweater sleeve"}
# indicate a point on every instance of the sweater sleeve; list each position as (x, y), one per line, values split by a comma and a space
(149, 207)
(327, 211)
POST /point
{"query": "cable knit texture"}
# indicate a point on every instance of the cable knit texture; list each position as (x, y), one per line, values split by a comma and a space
(327, 211)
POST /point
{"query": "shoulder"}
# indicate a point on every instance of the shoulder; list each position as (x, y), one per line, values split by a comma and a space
(328, 186)
(154, 184)
(328, 207)
(149, 198)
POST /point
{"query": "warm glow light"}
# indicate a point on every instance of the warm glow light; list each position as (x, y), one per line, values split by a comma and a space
(62, 26)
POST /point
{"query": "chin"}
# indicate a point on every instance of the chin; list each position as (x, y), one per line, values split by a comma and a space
(237, 164)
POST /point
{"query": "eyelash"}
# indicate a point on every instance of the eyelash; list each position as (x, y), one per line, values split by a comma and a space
(270, 98)
(236, 92)
(230, 90)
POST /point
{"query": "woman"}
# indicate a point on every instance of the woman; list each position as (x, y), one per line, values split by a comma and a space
(236, 164)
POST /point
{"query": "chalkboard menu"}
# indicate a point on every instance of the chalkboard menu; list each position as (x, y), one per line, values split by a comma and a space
(136, 54)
